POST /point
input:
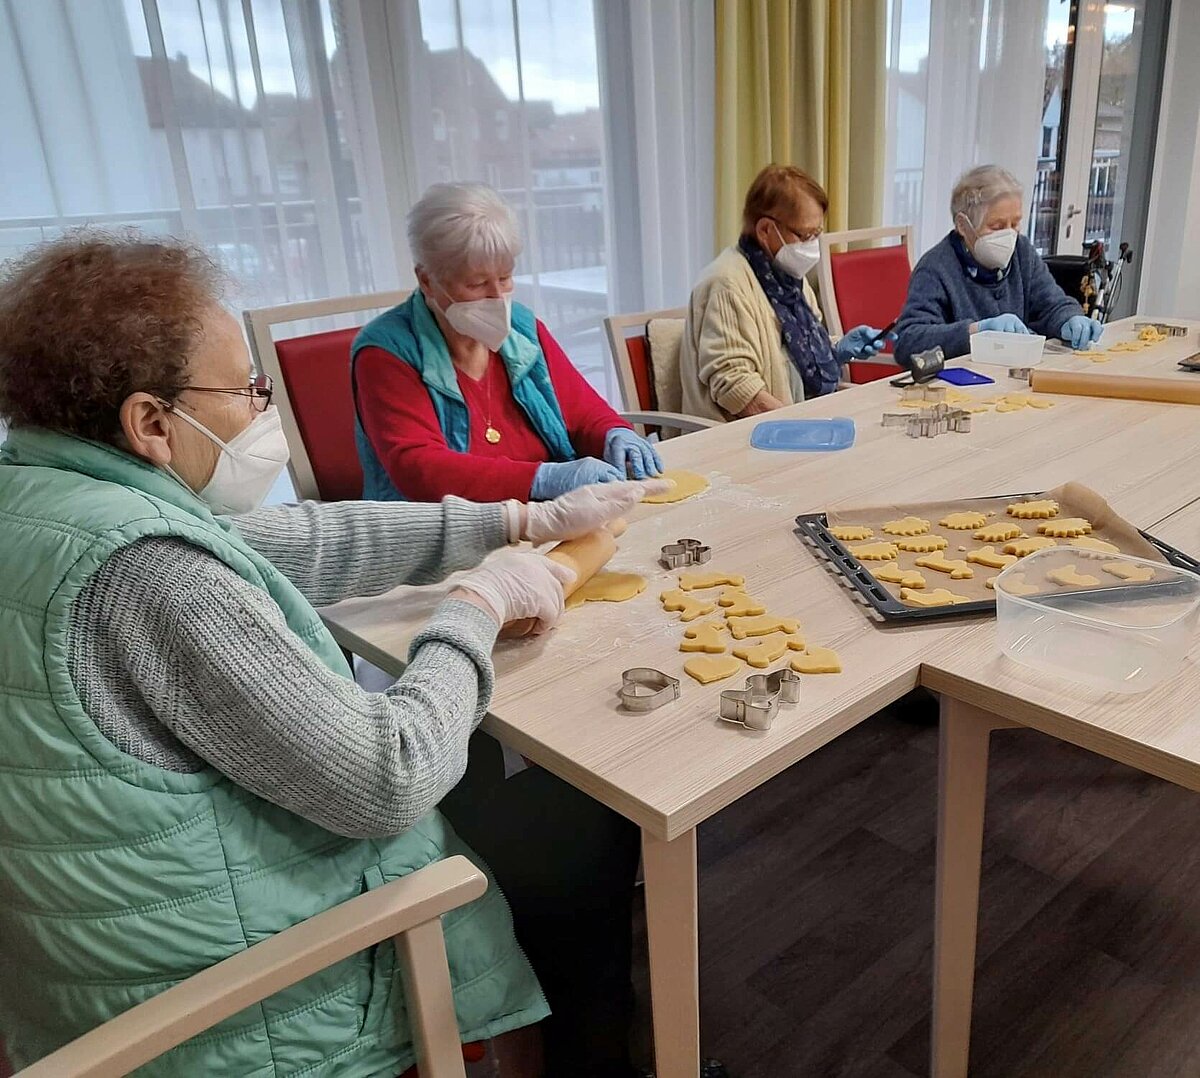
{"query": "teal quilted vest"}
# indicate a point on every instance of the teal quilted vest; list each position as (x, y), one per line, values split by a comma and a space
(119, 879)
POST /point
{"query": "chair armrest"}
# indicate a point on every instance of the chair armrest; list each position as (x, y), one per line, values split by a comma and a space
(677, 420)
(192, 1006)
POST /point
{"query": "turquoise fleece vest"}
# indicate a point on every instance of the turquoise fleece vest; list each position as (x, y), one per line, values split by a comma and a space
(119, 879)
(410, 333)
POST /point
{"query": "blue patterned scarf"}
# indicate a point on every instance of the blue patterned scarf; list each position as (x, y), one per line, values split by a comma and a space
(806, 340)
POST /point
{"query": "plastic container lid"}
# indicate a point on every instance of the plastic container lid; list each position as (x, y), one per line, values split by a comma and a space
(1007, 349)
(1106, 631)
(803, 435)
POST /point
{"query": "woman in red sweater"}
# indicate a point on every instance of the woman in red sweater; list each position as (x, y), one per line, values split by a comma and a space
(460, 391)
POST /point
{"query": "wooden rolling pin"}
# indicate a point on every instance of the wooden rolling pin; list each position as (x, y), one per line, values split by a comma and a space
(1086, 384)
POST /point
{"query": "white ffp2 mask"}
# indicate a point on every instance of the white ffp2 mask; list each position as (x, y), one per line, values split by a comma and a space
(799, 257)
(994, 250)
(485, 320)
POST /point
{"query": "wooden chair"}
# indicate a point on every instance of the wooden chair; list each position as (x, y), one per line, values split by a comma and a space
(628, 341)
(865, 286)
(408, 910)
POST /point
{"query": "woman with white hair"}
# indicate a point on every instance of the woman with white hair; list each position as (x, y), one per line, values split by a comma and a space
(458, 390)
(985, 275)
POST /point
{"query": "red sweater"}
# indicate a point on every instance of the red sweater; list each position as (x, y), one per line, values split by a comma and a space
(399, 420)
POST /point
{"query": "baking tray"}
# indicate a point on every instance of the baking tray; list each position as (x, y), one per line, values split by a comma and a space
(813, 528)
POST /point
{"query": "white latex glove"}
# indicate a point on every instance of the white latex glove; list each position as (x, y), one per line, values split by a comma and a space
(516, 585)
(580, 512)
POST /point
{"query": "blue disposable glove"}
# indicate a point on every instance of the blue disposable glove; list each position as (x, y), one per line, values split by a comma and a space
(628, 451)
(1003, 323)
(860, 343)
(551, 480)
(1081, 332)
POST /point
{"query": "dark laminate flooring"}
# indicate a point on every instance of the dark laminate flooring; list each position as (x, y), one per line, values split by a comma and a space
(816, 906)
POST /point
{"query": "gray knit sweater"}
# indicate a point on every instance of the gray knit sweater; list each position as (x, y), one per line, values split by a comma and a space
(179, 661)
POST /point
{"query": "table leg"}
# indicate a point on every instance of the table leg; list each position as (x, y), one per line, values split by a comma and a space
(962, 793)
(670, 870)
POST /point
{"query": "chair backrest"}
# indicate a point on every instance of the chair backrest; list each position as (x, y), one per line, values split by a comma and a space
(312, 391)
(865, 285)
(631, 356)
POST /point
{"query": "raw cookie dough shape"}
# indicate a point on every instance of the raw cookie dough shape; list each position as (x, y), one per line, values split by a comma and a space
(1042, 509)
(1090, 542)
(1022, 548)
(606, 587)
(963, 522)
(851, 533)
(738, 604)
(986, 555)
(701, 581)
(1065, 527)
(937, 597)
(1016, 585)
(686, 485)
(817, 661)
(704, 637)
(906, 526)
(906, 578)
(955, 567)
(708, 668)
(999, 533)
(1069, 576)
(690, 608)
(761, 652)
(875, 552)
(761, 626)
(922, 544)
(1039, 402)
(1136, 574)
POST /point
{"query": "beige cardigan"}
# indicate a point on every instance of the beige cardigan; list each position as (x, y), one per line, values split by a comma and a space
(732, 342)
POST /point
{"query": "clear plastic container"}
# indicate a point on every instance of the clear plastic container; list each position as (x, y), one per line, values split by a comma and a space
(1112, 633)
(803, 435)
(1007, 349)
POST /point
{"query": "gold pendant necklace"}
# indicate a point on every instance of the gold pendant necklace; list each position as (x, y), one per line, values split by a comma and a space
(491, 433)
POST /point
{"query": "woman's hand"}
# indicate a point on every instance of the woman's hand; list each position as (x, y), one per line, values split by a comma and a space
(1081, 332)
(630, 453)
(553, 479)
(515, 585)
(862, 342)
(582, 511)
(1001, 323)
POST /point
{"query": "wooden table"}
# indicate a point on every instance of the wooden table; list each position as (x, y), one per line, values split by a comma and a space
(670, 769)
(1159, 361)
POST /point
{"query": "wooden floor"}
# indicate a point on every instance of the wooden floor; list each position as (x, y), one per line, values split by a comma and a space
(816, 906)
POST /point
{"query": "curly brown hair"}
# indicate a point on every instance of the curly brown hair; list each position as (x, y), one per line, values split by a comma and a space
(87, 319)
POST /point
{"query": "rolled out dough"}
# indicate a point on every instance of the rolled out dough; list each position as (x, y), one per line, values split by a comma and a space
(684, 485)
(606, 587)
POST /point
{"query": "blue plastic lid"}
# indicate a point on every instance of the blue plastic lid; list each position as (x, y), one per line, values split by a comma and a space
(803, 435)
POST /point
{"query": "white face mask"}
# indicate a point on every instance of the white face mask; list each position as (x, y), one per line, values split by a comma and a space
(994, 250)
(488, 321)
(797, 258)
(247, 466)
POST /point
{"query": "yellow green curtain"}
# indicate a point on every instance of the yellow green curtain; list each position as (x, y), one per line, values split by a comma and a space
(801, 82)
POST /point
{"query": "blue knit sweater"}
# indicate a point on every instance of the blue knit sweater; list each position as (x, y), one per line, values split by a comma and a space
(949, 290)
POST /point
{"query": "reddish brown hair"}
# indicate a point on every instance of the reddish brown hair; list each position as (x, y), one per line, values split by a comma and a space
(90, 318)
(776, 192)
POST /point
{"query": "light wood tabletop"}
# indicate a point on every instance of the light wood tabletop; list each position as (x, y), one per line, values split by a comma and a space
(1160, 360)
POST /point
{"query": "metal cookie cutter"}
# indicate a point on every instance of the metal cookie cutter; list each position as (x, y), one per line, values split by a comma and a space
(1021, 374)
(644, 689)
(1168, 328)
(756, 706)
(684, 552)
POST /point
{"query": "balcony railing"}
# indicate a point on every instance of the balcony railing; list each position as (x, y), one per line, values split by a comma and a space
(1046, 198)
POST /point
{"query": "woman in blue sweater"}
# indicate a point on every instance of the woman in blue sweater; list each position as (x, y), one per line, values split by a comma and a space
(985, 275)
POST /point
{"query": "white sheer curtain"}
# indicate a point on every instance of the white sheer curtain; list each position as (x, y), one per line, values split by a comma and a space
(965, 83)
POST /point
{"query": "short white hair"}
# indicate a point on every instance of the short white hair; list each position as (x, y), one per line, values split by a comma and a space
(978, 188)
(458, 227)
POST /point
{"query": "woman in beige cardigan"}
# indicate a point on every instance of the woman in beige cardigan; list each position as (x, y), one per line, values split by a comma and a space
(754, 339)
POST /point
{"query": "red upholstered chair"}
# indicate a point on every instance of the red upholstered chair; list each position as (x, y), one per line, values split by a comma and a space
(312, 390)
(865, 286)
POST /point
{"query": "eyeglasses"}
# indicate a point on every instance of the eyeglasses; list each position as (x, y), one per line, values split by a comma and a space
(260, 389)
(803, 237)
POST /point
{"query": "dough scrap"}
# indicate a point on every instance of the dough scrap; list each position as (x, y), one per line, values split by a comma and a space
(1090, 542)
(1069, 576)
(702, 581)
(875, 552)
(986, 555)
(1042, 509)
(1137, 574)
(708, 668)
(1001, 532)
(760, 653)
(685, 485)
(1022, 548)
(1016, 584)
(906, 578)
(906, 526)
(1096, 355)
(690, 608)
(738, 604)
(1039, 402)
(955, 567)
(817, 661)
(606, 587)
(963, 522)
(1065, 527)
(704, 637)
(937, 597)
(922, 544)
(851, 533)
(761, 626)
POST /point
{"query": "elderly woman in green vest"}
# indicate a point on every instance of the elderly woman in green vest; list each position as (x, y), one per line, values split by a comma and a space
(189, 766)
